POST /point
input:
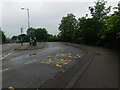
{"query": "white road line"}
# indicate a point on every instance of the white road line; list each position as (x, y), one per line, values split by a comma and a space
(4, 56)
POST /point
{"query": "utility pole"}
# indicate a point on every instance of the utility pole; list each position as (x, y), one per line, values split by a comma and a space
(21, 38)
(28, 20)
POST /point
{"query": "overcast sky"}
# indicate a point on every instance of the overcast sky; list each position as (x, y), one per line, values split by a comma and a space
(47, 14)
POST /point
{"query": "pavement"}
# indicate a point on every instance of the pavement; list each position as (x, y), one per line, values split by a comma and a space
(61, 65)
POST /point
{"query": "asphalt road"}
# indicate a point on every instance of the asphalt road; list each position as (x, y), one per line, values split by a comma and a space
(60, 65)
(32, 68)
(97, 68)
(7, 48)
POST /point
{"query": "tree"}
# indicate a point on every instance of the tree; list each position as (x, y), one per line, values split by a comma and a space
(99, 10)
(78, 32)
(14, 37)
(52, 38)
(67, 27)
(111, 33)
(102, 29)
(7, 40)
(24, 36)
(39, 33)
(2, 37)
(87, 31)
(31, 31)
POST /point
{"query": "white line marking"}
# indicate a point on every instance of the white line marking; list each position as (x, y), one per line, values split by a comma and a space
(4, 56)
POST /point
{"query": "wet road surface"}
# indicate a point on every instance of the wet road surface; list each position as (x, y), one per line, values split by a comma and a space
(32, 68)
(97, 68)
(7, 48)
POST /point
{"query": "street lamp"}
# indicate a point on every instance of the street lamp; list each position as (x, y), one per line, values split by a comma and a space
(29, 33)
(28, 16)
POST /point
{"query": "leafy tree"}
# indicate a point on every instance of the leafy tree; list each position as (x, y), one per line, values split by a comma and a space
(7, 40)
(111, 33)
(99, 10)
(39, 33)
(31, 31)
(87, 31)
(14, 37)
(67, 26)
(79, 30)
(2, 37)
(52, 38)
(24, 36)
(101, 29)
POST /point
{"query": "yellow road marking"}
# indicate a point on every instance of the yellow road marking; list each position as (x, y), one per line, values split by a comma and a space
(11, 88)
(65, 62)
(48, 56)
(5, 70)
(31, 62)
(58, 65)
(63, 71)
(69, 56)
(77, 56)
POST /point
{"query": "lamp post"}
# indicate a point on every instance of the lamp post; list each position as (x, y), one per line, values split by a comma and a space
(21, 36)
(28, 19)
(28, 16)
(30, 34)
